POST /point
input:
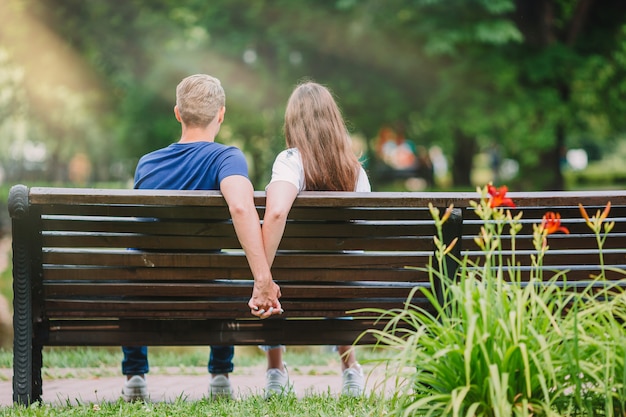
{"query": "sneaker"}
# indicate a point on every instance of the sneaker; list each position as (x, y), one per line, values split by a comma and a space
(135, 389)
(219, 387)
(353, 381)
(277, 382)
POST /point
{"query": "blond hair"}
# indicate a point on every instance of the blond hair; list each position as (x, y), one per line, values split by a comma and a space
(314, 125)
(199, 99)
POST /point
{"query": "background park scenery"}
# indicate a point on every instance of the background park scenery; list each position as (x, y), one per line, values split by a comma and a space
(438, 94)
(510, 86)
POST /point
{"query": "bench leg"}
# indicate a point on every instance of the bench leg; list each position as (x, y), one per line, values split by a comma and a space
(36, 382)
(27, 358)
(27, 382)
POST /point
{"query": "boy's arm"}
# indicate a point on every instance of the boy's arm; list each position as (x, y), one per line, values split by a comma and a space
(239, 195)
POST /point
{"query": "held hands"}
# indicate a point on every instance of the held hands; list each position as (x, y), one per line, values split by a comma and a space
(264, 301)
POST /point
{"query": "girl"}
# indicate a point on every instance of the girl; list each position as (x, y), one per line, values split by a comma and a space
(319, 157)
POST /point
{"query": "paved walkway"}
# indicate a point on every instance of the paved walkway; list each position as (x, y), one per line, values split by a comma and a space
(78, 386)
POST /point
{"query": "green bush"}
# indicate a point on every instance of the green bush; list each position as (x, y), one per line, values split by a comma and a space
(501, 347)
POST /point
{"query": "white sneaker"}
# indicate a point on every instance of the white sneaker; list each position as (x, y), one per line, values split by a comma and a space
(219, 387)
(135, 389)
(277, 382)
(353, 381)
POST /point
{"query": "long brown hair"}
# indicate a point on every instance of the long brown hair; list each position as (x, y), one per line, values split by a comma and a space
(314, 125)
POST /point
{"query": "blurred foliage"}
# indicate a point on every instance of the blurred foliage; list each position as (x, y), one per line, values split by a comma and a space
(533, 76)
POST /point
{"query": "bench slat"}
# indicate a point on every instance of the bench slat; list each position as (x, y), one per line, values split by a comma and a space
(192, 274)
(574, 273)
(197, 244)
(562, 257)
(224, 289)
(574, 227)
(87, 196)
(558, 242)
(45, 195)
(209, 332)
(293, 229)
(206, 213)
(130, 258)
(200, 309)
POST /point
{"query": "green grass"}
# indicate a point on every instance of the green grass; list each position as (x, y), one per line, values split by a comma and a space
(183, 357)
(90, 357)
(70, 362)
(315, 405)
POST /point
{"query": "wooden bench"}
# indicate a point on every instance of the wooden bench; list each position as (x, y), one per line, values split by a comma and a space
(125, 267)
(128, 267)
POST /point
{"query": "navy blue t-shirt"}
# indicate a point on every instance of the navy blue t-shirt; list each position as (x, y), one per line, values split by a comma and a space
(189, 166)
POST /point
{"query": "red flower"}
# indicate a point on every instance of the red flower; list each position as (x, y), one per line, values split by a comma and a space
(551, 223)
(498, 196)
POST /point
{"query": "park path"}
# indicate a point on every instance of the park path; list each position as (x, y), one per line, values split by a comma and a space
(169, 385)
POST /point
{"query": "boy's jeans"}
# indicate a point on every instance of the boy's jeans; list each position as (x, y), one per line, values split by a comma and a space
(136, 360)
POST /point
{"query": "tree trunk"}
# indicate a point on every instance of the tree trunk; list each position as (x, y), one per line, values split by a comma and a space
(549, 176)
(463, 158)
(539, 28)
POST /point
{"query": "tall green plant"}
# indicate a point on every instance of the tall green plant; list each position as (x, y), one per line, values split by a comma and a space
(498, 346)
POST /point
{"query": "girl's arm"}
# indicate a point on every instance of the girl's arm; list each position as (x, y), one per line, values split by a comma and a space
(280, 195)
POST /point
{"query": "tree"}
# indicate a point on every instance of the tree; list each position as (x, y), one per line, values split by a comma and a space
(375, 75)
(58, 97)
(522, 73)
(532, 75)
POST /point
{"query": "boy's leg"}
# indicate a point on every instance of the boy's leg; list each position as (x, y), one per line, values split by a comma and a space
(221, 360)
(135, 366)
(220, 365)
(135, 360)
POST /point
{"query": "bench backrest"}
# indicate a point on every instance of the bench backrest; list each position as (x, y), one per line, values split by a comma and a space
(135, 254)
(125, 258)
